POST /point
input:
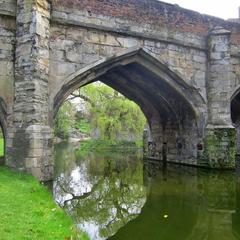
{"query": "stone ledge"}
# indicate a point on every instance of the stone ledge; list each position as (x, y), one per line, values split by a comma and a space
(209, 126)
(135, 31)
(7, 13)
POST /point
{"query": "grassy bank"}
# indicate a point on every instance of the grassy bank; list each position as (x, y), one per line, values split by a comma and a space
(1, 147)
(27, 210)
(97, 144)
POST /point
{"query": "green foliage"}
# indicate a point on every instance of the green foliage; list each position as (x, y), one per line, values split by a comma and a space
(139, 143)
(113, 115)
(109, 115)
(83, 126)
(28, 211)
(1, 147)
(64, 120)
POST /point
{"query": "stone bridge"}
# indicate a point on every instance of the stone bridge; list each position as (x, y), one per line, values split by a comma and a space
(182, 68)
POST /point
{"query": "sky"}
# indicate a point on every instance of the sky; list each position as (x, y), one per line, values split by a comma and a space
(220, 8)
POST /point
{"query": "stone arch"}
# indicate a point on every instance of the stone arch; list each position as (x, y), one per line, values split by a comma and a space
(235, 117)
(168, 102)
(3, 127)
(90, 73)
(235, 107)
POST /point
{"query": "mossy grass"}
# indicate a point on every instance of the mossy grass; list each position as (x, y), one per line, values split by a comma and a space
(27, 210)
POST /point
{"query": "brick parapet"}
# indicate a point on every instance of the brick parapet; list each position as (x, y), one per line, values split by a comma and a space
(152, 12)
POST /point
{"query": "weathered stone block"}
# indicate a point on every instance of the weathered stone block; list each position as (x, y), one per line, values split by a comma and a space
(62, 68)
(199, 59)
(220, 148)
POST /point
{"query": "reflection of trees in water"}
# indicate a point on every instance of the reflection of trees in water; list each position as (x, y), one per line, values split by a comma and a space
(102, 193)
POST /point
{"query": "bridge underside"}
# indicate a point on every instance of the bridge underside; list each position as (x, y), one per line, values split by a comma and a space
(182, 74)
(176, 114)
(173, 134)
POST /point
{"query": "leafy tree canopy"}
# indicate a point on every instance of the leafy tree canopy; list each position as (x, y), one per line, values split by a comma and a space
(111, 115)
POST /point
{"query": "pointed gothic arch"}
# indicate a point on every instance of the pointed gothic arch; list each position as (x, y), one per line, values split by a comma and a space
(132, 56)
(168, 102)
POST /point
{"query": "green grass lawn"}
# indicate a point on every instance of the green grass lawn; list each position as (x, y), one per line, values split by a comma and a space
(1, 147)
(27, 210)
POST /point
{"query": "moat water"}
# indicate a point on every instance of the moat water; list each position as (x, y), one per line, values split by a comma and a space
(116, 195)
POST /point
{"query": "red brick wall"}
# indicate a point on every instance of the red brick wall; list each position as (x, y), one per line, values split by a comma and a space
(151, 12)
(235, 38)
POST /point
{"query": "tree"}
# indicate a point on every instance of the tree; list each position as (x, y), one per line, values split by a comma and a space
(64, 120)
(112, 116)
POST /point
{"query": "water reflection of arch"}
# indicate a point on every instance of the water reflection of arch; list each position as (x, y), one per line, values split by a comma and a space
(3, 120)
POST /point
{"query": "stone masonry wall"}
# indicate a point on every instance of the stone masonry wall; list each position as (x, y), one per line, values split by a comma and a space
(156, 22)
(8, 7)
(43, 42)
(83, 32)
(152, 17)
(29, 136)
(72, 48)
(7, 48)
(219, 71)
(7, 52)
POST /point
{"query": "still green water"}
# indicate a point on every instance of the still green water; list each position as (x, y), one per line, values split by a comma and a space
(120, 196)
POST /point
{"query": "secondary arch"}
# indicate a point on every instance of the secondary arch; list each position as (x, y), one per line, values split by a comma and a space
(3, 114)
(235, 108)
